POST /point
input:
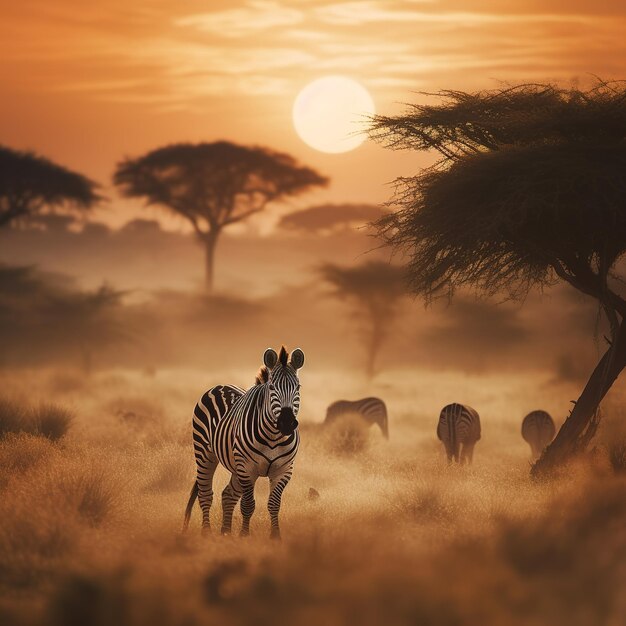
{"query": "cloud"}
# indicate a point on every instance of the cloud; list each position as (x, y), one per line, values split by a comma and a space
(185, 54)
(255, 17)
(372, 11)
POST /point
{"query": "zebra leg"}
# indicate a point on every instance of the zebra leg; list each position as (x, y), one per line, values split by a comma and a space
(467, 453)
(206, 469)
(230, 496)
(247, 502)
(277, 485)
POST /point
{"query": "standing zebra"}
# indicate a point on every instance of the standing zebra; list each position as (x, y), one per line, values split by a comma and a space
(458, 425)
(252, 434)
(371, 410)
(538, 431)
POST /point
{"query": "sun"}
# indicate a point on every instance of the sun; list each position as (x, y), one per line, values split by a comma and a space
(331, 113)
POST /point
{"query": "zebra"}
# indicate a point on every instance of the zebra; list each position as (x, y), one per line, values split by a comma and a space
(538, 431)
(251, 433)
(370, 410)
(458, 425)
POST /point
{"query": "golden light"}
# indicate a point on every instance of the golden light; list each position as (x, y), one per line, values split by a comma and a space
(331, 113)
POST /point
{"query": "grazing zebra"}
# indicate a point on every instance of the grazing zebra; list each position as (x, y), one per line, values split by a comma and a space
(371, 410)
(252, 434)
(458, 425)
(538, 431)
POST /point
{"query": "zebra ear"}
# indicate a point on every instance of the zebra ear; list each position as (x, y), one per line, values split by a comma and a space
(270, 358)
(297, 359)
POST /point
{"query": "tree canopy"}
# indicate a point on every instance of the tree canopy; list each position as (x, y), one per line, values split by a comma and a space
(215, 184)
(30, 184)
(529, 188)
(330, 217)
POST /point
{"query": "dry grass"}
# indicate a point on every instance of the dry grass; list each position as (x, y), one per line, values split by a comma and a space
(50, 420)
(90, 527)
(47, 420)
(13, 416)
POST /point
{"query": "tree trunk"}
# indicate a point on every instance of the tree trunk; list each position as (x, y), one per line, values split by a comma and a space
(373, 348)
(582, 422)
(210, 242)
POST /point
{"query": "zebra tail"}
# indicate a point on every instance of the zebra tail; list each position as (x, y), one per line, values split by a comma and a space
(385, 427)
(192, 498)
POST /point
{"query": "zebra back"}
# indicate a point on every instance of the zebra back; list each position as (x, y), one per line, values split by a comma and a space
(538, 430)
(372, 410)
(458, 425)
(209, 411)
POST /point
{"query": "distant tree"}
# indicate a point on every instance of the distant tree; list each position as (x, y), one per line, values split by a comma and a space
(42, 315)
(530, 189)
(375, 288)
(331, 217)
(87, 321)
(31, 185)
(214, 185)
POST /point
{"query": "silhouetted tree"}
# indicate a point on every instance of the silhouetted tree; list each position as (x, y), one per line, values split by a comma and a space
(214, 185)
(30, 184)
(87, 320)
(376, 289)
(40, 315)
(331, 217)
(530, 189)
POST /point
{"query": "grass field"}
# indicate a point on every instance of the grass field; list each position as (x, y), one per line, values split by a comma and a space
(90, 521)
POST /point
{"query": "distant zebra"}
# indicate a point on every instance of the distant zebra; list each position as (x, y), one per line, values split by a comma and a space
(371, 410)
(459, 425)
(538, 431)
(252, 434)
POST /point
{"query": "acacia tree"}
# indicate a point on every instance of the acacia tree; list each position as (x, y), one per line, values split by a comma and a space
(38, 317)
(376, 289)
(330, 218)
(31, 185)
(213, 185)
(529, 190)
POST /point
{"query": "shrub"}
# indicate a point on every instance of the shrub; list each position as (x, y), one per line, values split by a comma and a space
(51, 420)
(348, 435)
(47, 420)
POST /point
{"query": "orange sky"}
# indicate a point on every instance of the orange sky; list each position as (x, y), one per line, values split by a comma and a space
(88, 82)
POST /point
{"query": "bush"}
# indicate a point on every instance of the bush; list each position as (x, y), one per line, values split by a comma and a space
(47, 420)
(51, 420)
(348, 435)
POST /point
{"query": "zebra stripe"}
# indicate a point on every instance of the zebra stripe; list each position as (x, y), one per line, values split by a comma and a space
(371, 410)
(252, 434)
(459, 425)
(538, 431)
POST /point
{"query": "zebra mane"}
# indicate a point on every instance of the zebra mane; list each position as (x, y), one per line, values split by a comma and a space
(262, 377)
(283, 356)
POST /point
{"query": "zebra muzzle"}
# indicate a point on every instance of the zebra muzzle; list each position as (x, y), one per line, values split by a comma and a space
(287, 421)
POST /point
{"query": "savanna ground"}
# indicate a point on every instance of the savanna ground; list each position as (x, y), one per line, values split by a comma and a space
(90, 521)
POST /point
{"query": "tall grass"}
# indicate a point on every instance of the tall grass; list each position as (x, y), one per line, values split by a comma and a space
(13, 416)
(89, 530)
(49, 420)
